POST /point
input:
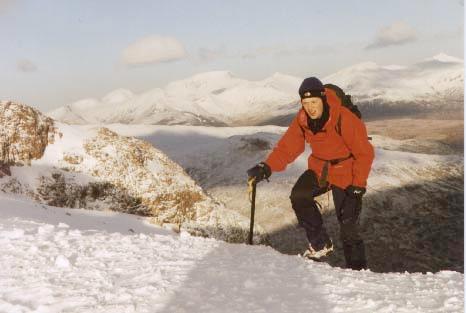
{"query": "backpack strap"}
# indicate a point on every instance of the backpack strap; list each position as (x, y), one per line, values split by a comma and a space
(338, 127)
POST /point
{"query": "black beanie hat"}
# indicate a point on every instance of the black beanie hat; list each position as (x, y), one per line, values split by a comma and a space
(311, 87)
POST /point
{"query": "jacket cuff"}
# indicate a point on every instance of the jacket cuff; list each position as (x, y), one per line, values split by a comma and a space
(267, 169)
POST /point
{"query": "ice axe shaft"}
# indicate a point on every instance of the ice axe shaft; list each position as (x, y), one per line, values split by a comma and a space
(252, 192)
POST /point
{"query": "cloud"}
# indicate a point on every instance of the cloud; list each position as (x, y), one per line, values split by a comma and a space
(25, 65)
(396, 34)
(153, 49)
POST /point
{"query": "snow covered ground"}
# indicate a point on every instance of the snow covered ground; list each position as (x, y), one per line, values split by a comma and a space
(69, 260)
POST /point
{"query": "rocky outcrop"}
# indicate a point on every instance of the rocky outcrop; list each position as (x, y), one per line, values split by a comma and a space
(24, 135)
(97, 169)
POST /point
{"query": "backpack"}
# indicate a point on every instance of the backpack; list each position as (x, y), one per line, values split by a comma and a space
(346, 102)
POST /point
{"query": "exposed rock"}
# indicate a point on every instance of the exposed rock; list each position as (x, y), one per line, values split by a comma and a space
(4, 170)
(59, 191)
(145, 172)
(24, 134)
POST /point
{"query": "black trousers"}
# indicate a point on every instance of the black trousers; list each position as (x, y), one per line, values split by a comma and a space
(347, 208)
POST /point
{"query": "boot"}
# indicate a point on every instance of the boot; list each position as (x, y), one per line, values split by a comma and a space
(355, 255)
(314, 255)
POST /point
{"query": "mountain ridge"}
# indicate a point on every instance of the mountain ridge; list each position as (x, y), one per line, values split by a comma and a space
(219, 98)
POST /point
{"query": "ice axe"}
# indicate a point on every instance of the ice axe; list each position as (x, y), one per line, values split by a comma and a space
(252, 197)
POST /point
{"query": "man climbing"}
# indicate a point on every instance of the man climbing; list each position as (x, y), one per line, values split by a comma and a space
(341, 160)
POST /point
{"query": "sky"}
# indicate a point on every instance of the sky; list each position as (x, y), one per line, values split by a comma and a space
(57, 52)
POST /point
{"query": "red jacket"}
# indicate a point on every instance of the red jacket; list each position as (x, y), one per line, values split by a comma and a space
(328, 145)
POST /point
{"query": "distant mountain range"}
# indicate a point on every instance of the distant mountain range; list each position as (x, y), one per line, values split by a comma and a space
(434, 84)
(219, 98)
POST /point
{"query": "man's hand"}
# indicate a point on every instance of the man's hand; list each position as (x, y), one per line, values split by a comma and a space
(355, 191)
(260, 171)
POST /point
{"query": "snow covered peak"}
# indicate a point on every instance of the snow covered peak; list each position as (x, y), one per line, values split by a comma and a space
(204, 82)
(211, 98)
(440, 61)
(359, 74)
(283, 83)
(118, 95)
(437, 80)
(213, 75)
(445, 58)
(394, 67)
(201, 84)
(363, 66)
(84, 104)
(282, 76)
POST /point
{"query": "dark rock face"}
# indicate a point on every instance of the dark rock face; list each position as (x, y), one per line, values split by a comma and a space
(4, 170)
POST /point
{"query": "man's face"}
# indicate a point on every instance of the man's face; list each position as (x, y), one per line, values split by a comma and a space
(313, 107)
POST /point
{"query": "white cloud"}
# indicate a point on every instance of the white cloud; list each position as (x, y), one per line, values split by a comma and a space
(153, 49)
(396, 34)
(25, 65)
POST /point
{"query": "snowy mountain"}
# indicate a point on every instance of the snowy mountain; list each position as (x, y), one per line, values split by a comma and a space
(434, 84)
(60, 165)
(212, 98)
(71, 260)
(219, 98)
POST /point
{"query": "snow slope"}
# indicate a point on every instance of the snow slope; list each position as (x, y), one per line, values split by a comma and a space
(69, 260)
(219, 98)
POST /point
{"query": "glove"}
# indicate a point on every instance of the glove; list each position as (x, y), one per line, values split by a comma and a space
(260, 171)
(355, 191)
